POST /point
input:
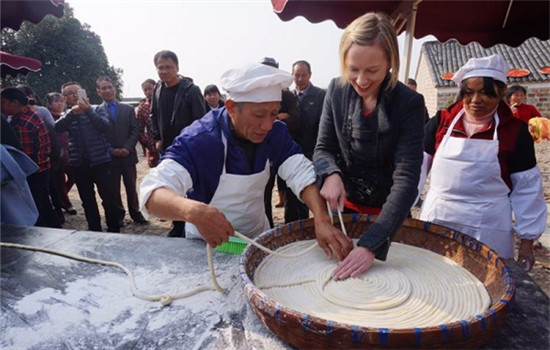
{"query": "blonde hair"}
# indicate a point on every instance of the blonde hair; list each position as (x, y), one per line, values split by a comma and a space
(370, 29)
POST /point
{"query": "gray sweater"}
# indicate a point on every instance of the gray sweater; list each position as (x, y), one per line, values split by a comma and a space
(386, 149)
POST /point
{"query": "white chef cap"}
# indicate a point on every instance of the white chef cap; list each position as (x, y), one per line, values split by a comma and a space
(255, 82)
(493, 66)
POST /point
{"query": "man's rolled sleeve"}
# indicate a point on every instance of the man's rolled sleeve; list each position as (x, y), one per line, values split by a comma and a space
(168, 174)
(298, 173)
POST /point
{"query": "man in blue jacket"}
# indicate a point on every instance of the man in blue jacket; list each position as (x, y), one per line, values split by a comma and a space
(214, 175)
(89, 158)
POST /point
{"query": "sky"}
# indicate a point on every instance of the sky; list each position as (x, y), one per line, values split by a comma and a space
(209, 37)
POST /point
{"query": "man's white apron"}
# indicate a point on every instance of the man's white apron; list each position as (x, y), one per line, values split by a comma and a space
(241, 199)
(467, 192)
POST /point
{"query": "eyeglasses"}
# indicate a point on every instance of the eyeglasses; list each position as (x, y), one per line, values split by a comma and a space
(68, 93)
(165, 68)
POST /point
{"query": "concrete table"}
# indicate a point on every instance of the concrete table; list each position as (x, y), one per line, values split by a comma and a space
(50, 302)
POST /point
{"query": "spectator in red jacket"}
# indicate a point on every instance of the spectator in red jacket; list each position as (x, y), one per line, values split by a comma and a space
(35, 140)
(516, 99)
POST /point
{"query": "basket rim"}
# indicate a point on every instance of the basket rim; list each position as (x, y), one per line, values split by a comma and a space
(250, 290)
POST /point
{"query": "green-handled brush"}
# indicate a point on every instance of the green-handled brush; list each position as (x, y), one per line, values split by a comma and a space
(235, 245)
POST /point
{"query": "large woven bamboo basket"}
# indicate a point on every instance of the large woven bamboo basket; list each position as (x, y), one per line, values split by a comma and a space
(308, 332)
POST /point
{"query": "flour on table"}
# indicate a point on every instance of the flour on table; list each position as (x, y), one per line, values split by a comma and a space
(98, 310)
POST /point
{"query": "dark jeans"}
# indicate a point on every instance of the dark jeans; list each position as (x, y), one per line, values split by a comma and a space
(56, 190)
(178, 229)
(129, 176)
(267, 199)
(39, 184)
(102, 176)
(294, 209)
(60, 183)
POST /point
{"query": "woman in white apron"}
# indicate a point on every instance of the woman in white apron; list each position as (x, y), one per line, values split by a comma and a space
(484, 167)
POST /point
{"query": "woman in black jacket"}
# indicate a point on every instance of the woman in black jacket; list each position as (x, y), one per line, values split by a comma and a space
(369, 149)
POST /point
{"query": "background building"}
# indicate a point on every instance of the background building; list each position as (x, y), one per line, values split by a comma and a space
(438, 61)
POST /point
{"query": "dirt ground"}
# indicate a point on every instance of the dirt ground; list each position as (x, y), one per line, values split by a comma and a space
(540, 272)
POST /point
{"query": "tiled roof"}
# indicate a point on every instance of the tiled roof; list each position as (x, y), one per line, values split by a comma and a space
(448, 57)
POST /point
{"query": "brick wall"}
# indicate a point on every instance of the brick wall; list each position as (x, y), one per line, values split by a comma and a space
(538, 94)
(426, 86)
(446, 97)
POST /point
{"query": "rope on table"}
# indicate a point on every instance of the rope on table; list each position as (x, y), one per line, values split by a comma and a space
(267, 250)
(166, 299)
(280, 255)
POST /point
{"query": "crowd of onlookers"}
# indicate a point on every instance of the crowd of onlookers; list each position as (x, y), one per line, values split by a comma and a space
(67, 141)
(29, 124)
(94, 146)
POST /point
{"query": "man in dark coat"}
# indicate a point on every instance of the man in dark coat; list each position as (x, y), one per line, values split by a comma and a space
(310, 99)
(176, 103)
(122, 137)
(289, 113)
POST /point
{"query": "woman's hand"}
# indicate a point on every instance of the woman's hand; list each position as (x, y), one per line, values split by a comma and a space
(526, 257)
(334, 192)
(358, 261)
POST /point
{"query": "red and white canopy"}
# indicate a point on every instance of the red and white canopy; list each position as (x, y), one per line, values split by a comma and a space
(487, 22)
(16, 11)
(13, 64)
